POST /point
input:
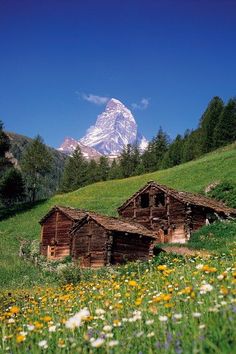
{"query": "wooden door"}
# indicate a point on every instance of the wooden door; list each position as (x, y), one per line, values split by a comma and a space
(51, 252)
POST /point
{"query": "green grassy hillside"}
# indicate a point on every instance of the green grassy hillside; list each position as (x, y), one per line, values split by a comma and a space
(105, 197)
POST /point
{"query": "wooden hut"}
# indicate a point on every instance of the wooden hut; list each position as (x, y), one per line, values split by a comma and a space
(55, 227)
(171, 214)
(101, 240)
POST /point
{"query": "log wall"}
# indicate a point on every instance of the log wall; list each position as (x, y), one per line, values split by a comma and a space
(55, 237)
(130, 248)
(89, 245)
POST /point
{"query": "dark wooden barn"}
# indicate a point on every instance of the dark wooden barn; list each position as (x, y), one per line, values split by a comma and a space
(55, 231)
(101, 240)
(171, 214)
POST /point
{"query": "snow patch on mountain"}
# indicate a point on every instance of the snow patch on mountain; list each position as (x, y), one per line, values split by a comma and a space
(113, 130)
(69, 145)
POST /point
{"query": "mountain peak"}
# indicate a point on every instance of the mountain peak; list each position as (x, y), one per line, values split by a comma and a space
(113, 103)
(113, 130)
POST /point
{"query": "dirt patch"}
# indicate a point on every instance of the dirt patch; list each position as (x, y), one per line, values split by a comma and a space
(185, 251)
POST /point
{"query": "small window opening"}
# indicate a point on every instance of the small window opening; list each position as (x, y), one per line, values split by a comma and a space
(160, 200)
(144, 200)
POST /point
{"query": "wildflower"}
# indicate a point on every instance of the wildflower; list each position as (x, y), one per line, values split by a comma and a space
(178, 316)
(133, 283)
(47, 318)
(205, 288)
(163, 318)
(199, 266)
(107, 328)
(196, 314)
(149, 322)
(201, 326)
(113, 343)
(14, 310)
(100, 311)
(96, 343)
(11, 320)
(162, 267)
(43, 344)
(61, 343)
(20, 338)
(76, 320)
(52, 329)
(30, 327)
(149, 335)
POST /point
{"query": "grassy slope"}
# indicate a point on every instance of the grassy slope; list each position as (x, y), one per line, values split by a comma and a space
(105, 197)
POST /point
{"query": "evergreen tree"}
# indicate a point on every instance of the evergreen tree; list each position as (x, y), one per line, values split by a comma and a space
(36, 163)
(135, 159)
(158, 148)
(148, 159)
(225, 131)
(4, 148)
(75, 172)
(103, 168)
(11, 187)
(126, 163)
(115, 170)
(174, 154)
(191, 145)
(209, 122)
(93, 172)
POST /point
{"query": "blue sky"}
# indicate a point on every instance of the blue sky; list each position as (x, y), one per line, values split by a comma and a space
(164, 59)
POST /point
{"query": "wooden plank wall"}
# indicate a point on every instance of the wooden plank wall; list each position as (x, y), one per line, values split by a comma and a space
(55, 233)
(129, 248)
(89, 245)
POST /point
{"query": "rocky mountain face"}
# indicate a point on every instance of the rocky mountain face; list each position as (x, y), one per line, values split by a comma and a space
(113, 130)
(69, 145)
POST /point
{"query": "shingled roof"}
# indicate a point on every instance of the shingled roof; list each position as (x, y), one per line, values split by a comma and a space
(115, 224)
(185, 197)
(72, 213)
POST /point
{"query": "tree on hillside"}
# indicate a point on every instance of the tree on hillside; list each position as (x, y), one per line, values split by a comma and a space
(92, 172)
(12, 187)
(103, 168)
(153, 156)
(75, 172)
(208, 123)
(4, 148)
(126, 161)
(191, 145)
(115, 170)
(225, 131)
(36, 163)
(174, 154)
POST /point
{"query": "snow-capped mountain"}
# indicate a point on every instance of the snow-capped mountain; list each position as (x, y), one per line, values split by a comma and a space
(113, 130)
(69, 145)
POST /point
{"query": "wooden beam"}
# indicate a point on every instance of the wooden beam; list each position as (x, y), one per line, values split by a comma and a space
(109, 248)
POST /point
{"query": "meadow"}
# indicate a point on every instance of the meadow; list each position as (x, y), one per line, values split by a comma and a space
(172, 304)
(169, 305)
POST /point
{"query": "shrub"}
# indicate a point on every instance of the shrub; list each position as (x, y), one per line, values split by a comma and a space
(68, 273)
(225, 192)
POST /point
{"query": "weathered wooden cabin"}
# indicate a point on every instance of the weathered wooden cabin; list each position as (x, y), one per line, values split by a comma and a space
(171, 214)
(55, 231)
(101, 240)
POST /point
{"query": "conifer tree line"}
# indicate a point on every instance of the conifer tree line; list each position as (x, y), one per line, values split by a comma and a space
(217, 127)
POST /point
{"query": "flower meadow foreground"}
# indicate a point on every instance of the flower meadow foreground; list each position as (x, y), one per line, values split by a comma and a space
(169, 305)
